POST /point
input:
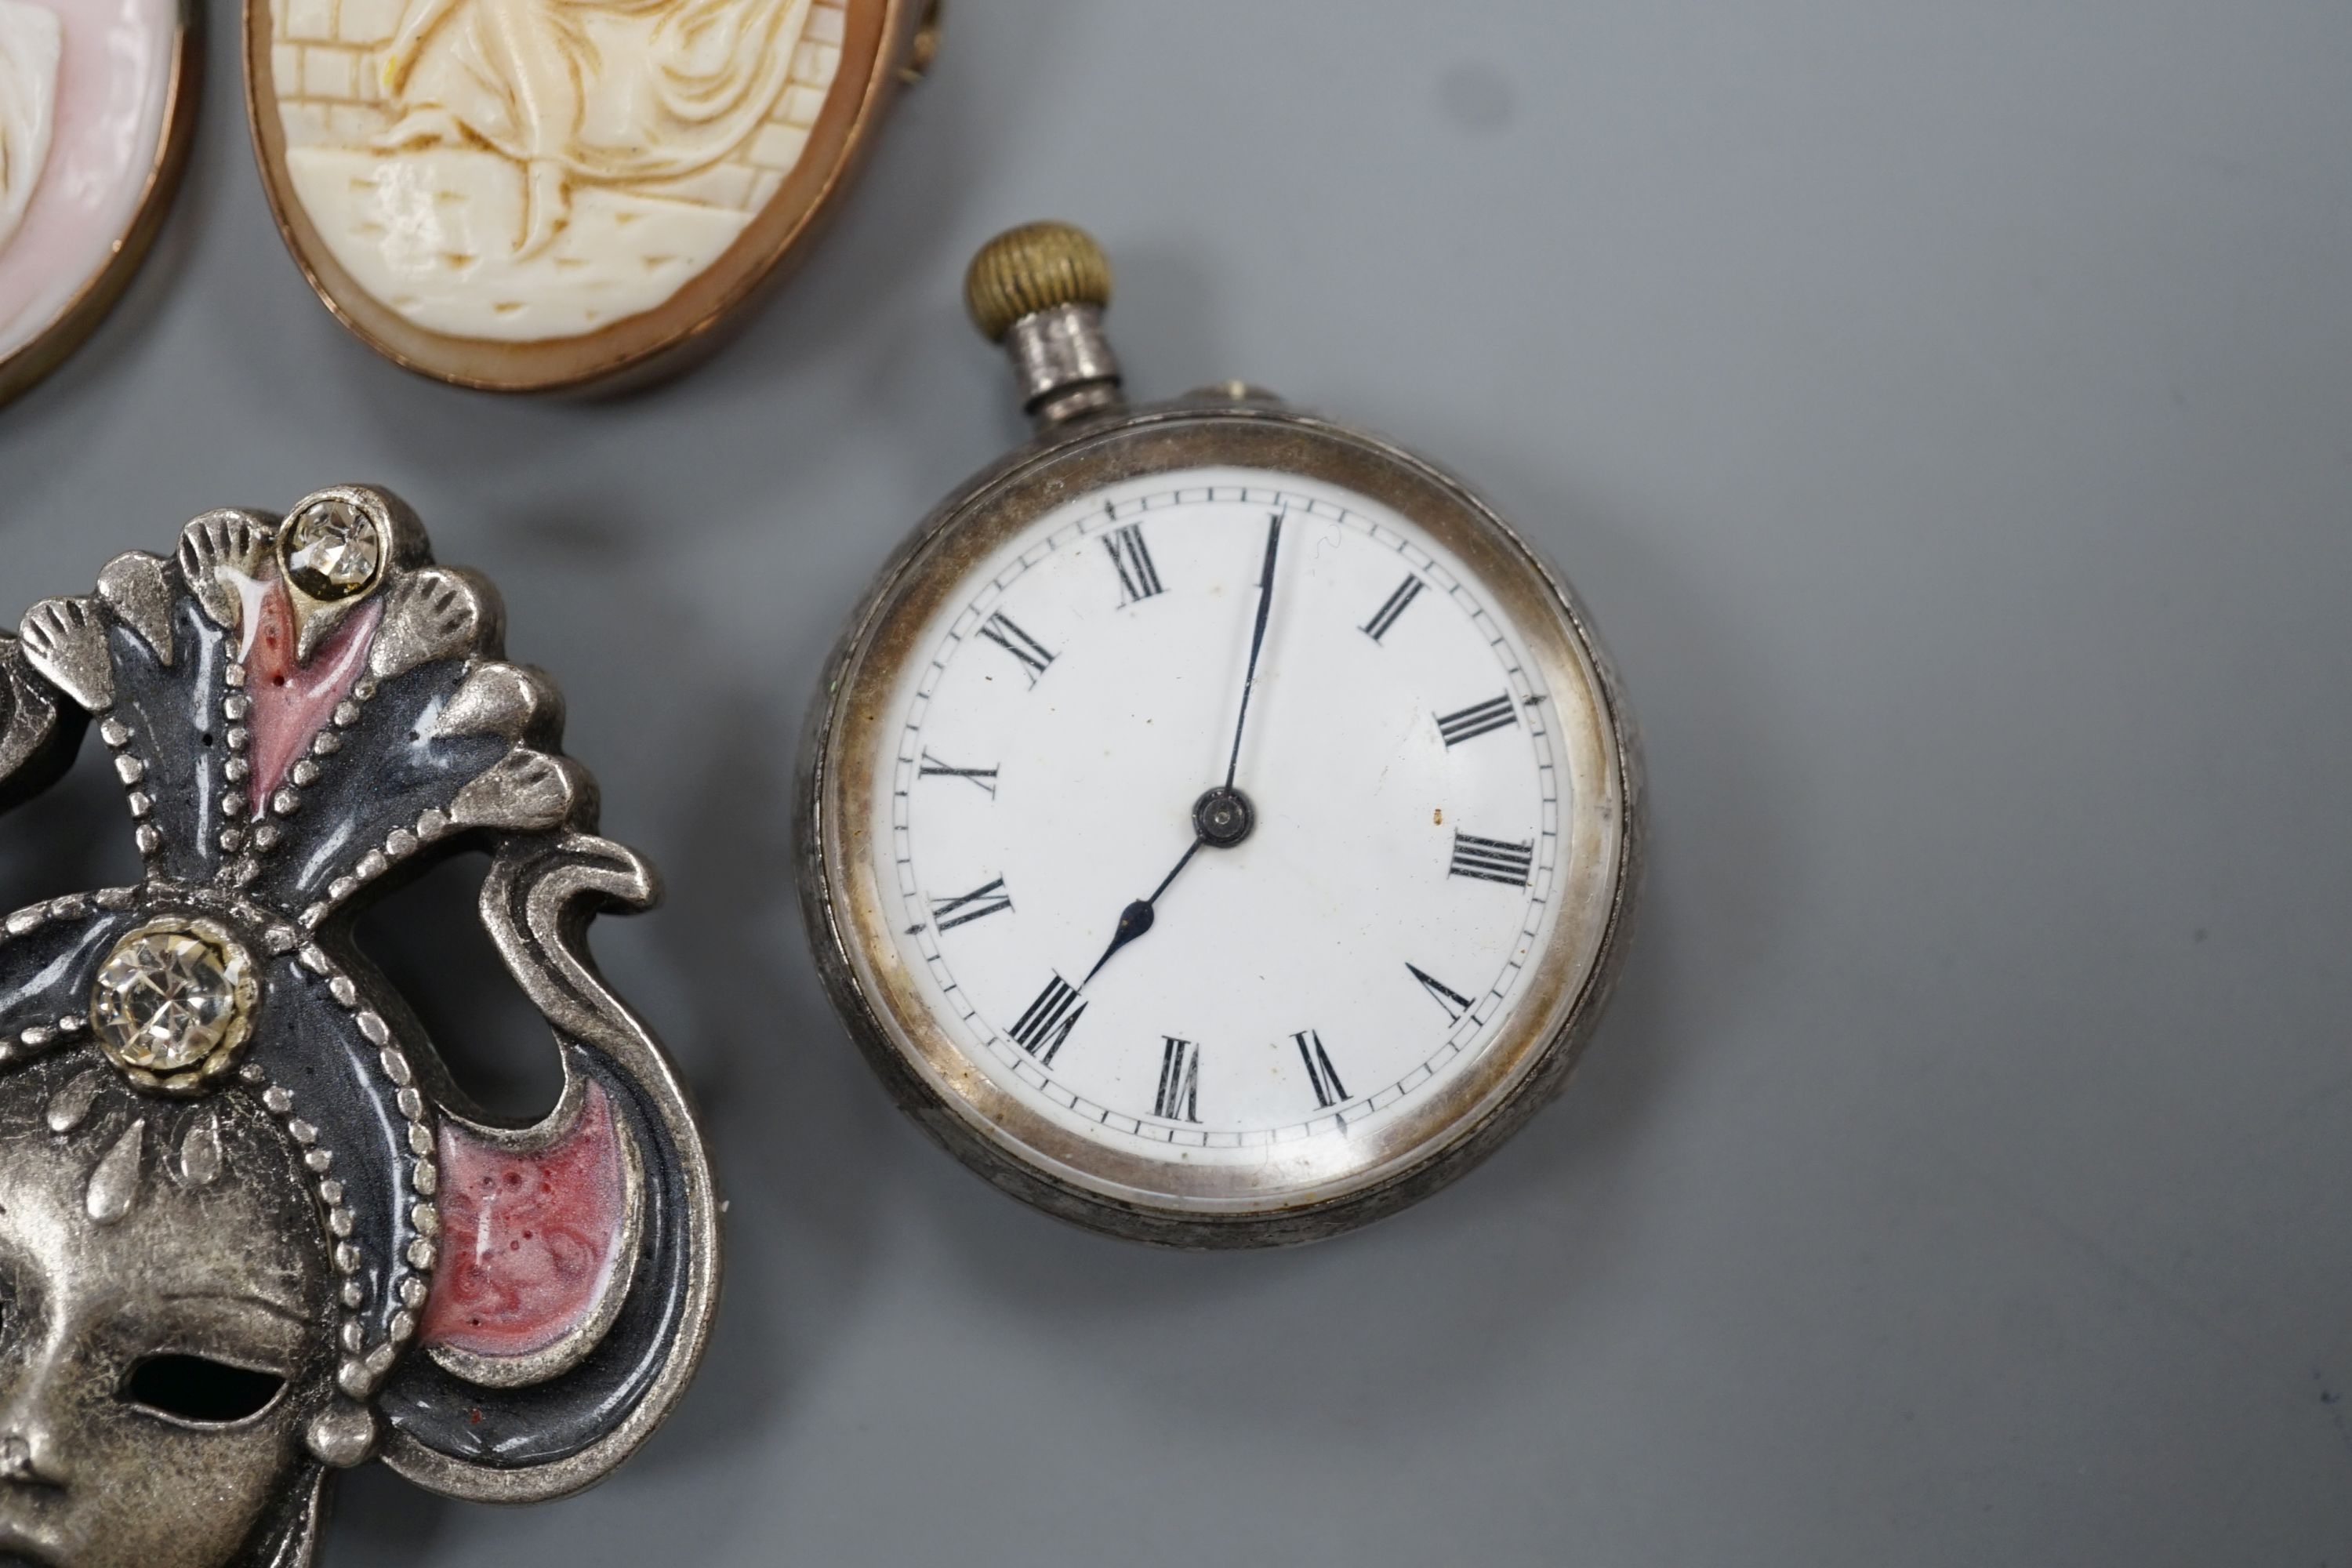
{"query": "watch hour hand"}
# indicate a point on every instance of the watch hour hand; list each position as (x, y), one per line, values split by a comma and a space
(1137, 918)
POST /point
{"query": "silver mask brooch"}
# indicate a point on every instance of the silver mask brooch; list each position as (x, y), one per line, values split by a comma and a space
(249, 1233)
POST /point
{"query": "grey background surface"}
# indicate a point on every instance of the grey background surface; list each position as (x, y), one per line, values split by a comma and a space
(1947, 410)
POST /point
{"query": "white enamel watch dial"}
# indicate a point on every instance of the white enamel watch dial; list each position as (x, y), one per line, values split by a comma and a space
(1219, 827)
(1279, 993)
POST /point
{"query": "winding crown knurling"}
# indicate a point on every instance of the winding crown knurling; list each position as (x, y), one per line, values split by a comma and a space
(1031, 268)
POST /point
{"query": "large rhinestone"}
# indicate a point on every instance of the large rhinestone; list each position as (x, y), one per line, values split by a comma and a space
(333, 550)
(170, 995)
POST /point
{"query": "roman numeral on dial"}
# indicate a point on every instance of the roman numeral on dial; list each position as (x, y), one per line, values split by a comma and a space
(966, 908)
(1180, 1081)
(1491, 860)
(1453, 1001)
(930, 767)
(1325, 1080)
(1494, 713)
(1138, 579)
(1386, 615)
(1031, 654)
(1041, 1030)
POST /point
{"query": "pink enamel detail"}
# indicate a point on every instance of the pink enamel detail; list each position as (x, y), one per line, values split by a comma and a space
(289, 701)
(529, 1241)
(114, 83)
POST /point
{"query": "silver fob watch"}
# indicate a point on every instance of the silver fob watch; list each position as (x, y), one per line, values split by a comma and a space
(1218, 827)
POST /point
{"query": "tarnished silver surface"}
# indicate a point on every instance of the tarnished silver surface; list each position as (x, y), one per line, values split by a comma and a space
(224, 1216)
(1008, 1143)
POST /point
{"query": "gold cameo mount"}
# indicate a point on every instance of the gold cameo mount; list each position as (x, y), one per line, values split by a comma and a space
(535, 196)
(97, 106)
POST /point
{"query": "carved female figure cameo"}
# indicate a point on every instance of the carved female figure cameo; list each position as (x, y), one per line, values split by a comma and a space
(96, 101)
(526, 194)
(252, 1233)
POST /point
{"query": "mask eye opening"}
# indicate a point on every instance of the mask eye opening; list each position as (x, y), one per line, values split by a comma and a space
(197, 1390)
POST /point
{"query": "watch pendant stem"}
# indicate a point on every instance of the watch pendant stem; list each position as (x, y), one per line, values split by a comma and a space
(1064, 363)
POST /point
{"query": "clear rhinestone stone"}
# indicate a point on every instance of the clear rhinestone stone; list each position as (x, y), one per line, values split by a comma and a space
(333, 550)
(167, 998)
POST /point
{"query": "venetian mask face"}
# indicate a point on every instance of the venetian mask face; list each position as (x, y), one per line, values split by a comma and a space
(164, 1324)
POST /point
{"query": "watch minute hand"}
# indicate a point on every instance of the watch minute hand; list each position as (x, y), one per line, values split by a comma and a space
(1257, 641)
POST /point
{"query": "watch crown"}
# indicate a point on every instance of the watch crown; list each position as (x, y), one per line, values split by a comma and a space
(1034, 269)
